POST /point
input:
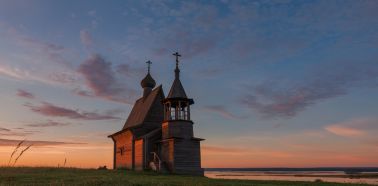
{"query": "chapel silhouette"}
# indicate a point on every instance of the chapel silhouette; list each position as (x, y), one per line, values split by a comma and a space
(158, 134)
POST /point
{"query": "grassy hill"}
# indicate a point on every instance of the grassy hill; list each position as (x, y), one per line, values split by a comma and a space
(73, 176)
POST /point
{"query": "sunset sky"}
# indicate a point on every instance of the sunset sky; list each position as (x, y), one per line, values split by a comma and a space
(275, 83)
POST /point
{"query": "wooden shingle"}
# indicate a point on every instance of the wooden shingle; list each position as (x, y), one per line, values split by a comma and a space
(140, 112)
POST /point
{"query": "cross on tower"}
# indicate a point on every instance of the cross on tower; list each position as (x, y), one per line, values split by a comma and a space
(177, 56)
(149, 65)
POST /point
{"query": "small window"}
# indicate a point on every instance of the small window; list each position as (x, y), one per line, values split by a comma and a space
(121, 150)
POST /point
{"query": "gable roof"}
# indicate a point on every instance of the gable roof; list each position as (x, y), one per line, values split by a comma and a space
(141, 108)
(177, 90)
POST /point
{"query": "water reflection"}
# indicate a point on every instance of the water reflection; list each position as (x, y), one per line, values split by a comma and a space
(326, 176)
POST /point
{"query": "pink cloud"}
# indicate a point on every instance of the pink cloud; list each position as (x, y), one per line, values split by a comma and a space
(98, 75)
(25, 94)
(101, 79)
(48, 109)
(11, 71)
(48, 123)
(222, 111)
(355, 127)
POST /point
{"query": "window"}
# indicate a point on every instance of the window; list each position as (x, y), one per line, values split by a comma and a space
(121, 150)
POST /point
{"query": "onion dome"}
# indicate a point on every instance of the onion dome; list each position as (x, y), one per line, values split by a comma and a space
(148, 82)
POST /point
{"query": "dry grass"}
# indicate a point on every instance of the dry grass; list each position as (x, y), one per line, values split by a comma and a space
(21, 153)
(15, 150)
(18, 146)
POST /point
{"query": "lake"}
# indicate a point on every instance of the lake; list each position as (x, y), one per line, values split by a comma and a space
(326, 176)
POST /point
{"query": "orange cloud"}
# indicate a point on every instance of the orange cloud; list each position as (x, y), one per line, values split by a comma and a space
(344, 130)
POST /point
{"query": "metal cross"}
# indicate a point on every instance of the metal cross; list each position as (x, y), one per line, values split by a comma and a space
(149, 65)
(177, 56)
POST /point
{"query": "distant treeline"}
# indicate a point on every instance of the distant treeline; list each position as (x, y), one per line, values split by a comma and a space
(347, 170)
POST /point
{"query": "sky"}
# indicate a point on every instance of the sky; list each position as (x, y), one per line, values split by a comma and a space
(275, 83)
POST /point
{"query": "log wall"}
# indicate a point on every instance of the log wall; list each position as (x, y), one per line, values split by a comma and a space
(124, 150)
(187, 157)
(139, 154)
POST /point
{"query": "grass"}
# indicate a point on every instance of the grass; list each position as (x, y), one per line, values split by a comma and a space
(20, 154)
(73, 176)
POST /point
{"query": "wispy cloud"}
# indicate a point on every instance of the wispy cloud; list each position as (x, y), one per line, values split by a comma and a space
(39, 48)
(219, 109)
(53, 65)
(9, 72)
(287, 97)
(25, 94)
(18, 73)
(16, 132)
(354, 128)
(48, 123)
(11, 142)
(128, 71)
(92, 13)
(45, 47)
(86, 39)
(48, 109)
(4, 129)
(344, 130)
(21, 73)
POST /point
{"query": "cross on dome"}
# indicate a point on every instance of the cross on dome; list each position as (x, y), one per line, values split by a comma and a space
(148, 65)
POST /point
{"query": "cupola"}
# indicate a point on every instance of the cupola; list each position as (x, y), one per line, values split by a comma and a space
(148, 83)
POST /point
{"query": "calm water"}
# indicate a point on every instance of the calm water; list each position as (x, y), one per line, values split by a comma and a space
(288, 175)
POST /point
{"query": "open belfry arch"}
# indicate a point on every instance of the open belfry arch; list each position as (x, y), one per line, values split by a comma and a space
(158, 134)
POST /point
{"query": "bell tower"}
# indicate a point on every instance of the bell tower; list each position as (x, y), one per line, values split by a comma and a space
(181, 151)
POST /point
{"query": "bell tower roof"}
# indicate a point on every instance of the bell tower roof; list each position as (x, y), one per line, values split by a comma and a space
(177, 90)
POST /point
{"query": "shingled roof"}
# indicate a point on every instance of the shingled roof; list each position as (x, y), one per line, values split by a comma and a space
(141, 108)
(177, 90)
